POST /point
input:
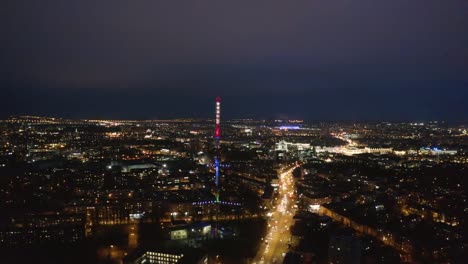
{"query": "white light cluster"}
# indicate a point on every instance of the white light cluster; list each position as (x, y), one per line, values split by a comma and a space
(218, 112)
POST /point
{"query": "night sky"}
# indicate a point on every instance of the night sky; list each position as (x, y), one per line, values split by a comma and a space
(313, 59)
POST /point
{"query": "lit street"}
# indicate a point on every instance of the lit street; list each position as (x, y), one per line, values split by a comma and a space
(276, 242)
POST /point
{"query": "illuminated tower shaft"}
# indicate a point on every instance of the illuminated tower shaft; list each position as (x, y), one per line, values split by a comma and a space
(217, 137)
(218, 116)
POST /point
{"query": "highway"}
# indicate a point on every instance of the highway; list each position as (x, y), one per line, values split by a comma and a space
(277, 238)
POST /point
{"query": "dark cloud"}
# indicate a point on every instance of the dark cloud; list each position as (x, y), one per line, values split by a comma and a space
(311, 59)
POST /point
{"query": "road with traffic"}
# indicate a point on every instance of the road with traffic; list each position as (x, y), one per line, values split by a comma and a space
(278, 238)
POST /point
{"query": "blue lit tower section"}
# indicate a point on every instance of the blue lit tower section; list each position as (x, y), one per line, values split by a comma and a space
(217, 137)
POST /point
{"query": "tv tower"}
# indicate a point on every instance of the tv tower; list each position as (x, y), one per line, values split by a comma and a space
(217, 138)
(217, 164)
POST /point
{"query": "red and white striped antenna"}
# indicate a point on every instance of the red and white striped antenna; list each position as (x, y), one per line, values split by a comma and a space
(218, 116)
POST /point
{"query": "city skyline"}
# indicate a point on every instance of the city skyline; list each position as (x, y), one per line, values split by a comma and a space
(234, 132)
(373, 192)
(282, 122)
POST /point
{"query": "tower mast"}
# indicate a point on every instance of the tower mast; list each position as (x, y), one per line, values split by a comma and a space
(217, 138)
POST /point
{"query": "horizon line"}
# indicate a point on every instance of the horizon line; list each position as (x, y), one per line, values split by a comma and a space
(278, 120)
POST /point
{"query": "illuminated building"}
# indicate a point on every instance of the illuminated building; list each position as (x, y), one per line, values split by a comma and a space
(43, 228)
(167, 256)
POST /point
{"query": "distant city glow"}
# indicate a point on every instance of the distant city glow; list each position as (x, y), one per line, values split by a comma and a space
(289, 127)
